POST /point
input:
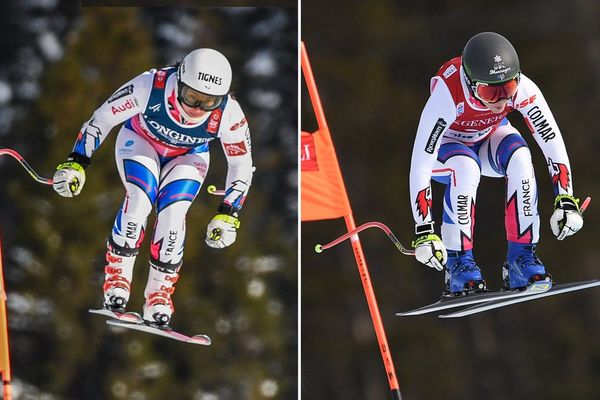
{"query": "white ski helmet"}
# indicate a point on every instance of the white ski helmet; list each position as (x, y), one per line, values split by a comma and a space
(207, 73)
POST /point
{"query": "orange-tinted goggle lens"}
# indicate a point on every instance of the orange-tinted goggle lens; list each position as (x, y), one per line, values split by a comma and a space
(495, 93)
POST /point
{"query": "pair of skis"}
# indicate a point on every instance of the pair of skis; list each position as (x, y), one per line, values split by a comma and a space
(134, 321)
(484, 301)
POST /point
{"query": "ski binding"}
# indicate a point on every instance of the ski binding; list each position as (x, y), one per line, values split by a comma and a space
(121, 316)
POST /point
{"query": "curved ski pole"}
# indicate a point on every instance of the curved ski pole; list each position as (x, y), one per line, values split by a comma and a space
(25, 164)
(212, 189)
(319, 248)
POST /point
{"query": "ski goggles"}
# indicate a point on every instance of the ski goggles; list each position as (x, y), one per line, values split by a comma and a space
(494, 93)
(195, 99)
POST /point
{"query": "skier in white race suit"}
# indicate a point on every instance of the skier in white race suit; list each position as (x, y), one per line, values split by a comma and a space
(463, 134)
(162, 154)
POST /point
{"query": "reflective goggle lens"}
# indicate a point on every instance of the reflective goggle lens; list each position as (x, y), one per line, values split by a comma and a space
(195, 99)
(495, 93)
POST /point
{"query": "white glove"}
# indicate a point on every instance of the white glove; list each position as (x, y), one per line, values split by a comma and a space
(68, 179)
(430, 250)
(222, 231)
(566, 219)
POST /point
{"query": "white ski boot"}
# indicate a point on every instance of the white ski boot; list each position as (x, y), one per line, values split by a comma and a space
(158, 307)
(117, 281)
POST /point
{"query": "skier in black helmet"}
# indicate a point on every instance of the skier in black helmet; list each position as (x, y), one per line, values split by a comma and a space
(463, 134)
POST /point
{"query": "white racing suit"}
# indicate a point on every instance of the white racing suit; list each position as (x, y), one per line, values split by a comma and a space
(459, 140)
(162, 160)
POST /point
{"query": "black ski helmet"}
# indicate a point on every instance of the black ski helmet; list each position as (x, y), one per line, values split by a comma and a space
(490, 58)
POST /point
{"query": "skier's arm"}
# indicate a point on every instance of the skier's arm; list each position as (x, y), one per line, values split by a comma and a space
(235, 140)
(237, 146)
(533, 106)
(439, 113)
(129, 100)
(567, 218)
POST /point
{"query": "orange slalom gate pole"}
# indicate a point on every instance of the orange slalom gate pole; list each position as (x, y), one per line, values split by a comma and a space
(356, 245)
(4, 349)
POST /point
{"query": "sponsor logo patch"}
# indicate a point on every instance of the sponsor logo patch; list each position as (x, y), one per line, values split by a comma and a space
(126, 91)
(160, 79)
(540, 124)
(526, 102)
(436, 132)
(235, 149)
(214, 121)
(423, 202)
(174, 136)
(206, 77)
(128, 105)
(238, 125)
(560, 175)
(449, 71)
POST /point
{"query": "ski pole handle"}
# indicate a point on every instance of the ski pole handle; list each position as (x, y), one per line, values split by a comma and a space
(319, 248)
(25, 164)
(212, 189)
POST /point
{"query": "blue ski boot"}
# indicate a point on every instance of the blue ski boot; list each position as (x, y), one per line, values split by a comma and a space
(523, 267)
(462, 274)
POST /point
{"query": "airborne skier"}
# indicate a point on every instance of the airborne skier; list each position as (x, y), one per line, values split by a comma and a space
(463, 133)
(162, 154)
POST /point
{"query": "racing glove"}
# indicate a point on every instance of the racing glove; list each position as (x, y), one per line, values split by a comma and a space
(566, 219)
(69, 179)
(429, 248)
(222, 231)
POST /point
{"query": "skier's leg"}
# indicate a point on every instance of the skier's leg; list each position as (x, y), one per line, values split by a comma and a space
(506, 155)
(458, 167)
(180, 182)
(138, 167)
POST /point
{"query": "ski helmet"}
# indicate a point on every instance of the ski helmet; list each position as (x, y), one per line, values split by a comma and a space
(491, 66)
(203, 79)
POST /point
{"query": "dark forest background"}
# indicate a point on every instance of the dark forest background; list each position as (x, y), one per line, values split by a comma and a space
(372, 64)
(58, 62)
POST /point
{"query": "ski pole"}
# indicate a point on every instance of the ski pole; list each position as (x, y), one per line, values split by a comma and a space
(25, 164)
(585, 205)
(212, 189)
(319, 248)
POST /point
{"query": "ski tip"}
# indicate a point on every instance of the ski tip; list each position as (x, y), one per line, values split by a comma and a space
(406, 314)
(201, 339)
(447, 316)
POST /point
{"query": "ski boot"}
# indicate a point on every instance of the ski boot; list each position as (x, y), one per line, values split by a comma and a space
(117, 280)
(462, 273)
(523, 267)
(158, 307)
